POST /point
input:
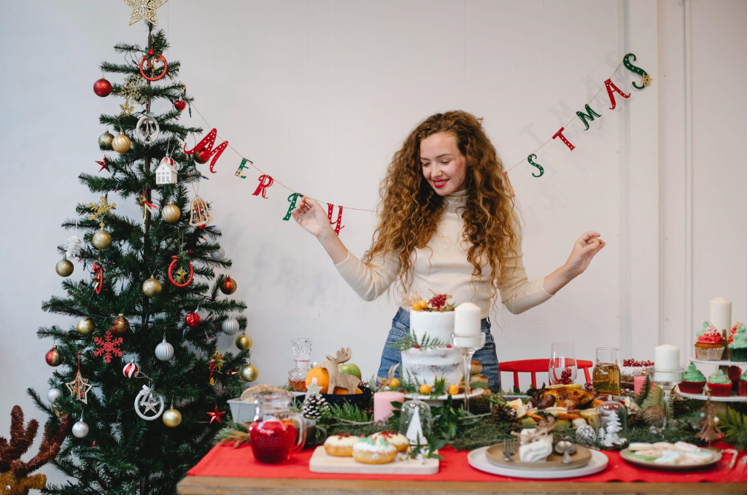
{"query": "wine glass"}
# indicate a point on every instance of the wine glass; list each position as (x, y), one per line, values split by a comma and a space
(562, 367)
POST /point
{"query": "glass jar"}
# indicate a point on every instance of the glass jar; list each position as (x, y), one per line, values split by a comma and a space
(562, 367)
(612, 421)
(276, 431)
(606, 376)
(415, 421)
(302, 351)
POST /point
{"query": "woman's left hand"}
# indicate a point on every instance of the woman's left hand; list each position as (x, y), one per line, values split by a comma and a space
(585, 248)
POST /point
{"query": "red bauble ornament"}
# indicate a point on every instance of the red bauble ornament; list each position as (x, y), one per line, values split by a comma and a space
(178, 283)
(53, 357)
(180, 105)
(102, 87)
(159, 58)
(192, 319)
(120, 325)
(130, 369)
(228, 285)
(203, 156)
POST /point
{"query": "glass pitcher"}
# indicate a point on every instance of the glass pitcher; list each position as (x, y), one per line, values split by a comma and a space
(276, 431)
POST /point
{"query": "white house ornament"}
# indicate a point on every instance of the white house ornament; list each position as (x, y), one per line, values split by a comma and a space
(165, 172)
(164, 351)
(199, 214)
(147, 128)
(149, 405)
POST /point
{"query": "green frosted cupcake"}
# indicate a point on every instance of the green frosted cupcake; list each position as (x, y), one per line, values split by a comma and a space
(693, 381)
(738, 343)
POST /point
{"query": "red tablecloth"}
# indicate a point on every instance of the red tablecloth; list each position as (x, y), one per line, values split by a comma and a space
(226, 461)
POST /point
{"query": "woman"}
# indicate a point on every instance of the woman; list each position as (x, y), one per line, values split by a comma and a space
(446, 224)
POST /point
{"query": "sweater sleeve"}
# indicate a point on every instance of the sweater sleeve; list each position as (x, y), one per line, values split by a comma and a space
(517, 293)
(369, 280)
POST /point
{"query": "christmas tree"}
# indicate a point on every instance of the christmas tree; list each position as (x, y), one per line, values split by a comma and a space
(139, 428)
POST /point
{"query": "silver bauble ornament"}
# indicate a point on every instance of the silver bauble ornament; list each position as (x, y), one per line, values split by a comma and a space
(85, 326)
(64, 267)
(172, 417)
(80, 429)
(170, 213)
(101, 239)
(164, 351)
(586, 434)
(249, 373)
(219, 254)
(151, 287)
(121, 143)
(53, 395)
(230, 326)
(243, 342)
(105, 140)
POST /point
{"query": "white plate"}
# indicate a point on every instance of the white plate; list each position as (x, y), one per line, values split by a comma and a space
(717, 362)
(477, 459)
(716, 457)
(728, 399)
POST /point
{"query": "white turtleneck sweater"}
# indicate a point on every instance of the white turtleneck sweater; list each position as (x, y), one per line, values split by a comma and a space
(442, 266)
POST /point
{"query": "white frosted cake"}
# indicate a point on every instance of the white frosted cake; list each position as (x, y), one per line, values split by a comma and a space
(426, 366)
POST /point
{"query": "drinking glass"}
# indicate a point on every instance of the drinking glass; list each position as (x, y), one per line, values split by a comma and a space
(562, 367)
(606, 376)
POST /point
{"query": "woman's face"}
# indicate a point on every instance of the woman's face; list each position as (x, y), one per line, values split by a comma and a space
(443, 164)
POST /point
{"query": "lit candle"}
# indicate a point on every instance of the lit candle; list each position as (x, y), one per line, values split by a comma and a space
(720, 313)
(467, 320)
(383, 404)
(667, 358)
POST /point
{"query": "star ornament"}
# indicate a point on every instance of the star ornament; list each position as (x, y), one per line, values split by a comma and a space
(144, 9)
(215, 415)
(79, 388)
(646, 80)
(181, 273)
(103, 165)
(313, 389)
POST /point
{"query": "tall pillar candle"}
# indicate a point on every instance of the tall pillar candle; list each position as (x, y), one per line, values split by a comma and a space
(667, 358)
(383, 404)
(720, 313)
(467, 320)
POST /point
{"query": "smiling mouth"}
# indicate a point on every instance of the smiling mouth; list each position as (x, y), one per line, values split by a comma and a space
(440, 183)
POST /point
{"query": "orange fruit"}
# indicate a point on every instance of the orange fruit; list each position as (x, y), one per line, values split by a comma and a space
(395, 383)
(323, 378)
(454, 389)
(425, 389)
(344, 391)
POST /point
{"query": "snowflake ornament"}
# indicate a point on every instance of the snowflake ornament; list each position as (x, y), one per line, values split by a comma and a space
(108, 346)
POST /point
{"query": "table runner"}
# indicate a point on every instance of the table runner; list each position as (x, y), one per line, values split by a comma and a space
(226, 461)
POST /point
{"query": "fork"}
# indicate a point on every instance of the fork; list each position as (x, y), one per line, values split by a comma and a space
(510, 448)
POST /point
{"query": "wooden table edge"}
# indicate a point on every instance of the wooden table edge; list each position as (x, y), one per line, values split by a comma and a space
(247, 485)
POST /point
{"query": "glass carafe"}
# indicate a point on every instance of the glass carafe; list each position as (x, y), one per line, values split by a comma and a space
(606, 376)
(276, 431)
(302, 350)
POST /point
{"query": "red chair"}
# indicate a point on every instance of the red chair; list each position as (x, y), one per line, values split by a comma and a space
(539, 365)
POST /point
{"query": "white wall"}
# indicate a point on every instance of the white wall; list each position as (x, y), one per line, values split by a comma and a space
(321, 94)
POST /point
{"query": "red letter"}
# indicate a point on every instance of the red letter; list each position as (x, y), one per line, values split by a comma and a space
(338, 227)
(265, 182)
(612, 87)
(560, 135)
(205, 149)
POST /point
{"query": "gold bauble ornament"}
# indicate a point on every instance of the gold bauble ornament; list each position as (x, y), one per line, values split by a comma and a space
(120, 325)
(228, 286)
(249, 373)
(64, 267)
(170, 213)
(105, 140)
(121, 143)
(172, 417)
(151, 287)
(85, 326)
(243, 342)
(102, 239)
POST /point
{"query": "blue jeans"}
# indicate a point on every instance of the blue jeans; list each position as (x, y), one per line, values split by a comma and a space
(401, 328)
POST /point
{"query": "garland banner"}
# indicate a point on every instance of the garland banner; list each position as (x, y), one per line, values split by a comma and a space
(204, 149)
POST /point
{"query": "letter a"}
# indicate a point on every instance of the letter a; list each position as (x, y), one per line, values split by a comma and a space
(265, 182)
(612, 87)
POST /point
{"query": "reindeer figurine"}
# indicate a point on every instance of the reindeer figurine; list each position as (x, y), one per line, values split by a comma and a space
(14, 474)
(345, 381)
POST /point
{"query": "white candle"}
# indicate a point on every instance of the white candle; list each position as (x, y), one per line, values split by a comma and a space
(720, 313)
(667, 358)
(467, 342)
(467, 320)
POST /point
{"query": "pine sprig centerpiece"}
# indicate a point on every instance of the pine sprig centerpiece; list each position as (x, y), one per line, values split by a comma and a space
(411, 341)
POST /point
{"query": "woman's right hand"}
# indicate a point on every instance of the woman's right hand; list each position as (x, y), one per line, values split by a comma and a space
(312, 217)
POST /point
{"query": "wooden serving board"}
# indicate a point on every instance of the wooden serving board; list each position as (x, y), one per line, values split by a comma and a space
(323, 463)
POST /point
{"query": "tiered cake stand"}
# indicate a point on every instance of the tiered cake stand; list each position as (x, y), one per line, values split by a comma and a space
(724, 365)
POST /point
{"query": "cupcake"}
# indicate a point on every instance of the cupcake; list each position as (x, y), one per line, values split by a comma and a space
(742, 385)
(693, 381)
(737, 343)
(720, 384)
(709, 345)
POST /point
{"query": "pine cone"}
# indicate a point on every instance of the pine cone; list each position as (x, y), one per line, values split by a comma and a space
(503, 413)
(652, 415)
(314, 406)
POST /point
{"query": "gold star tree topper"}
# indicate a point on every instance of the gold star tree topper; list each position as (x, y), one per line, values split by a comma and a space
(144, 9)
